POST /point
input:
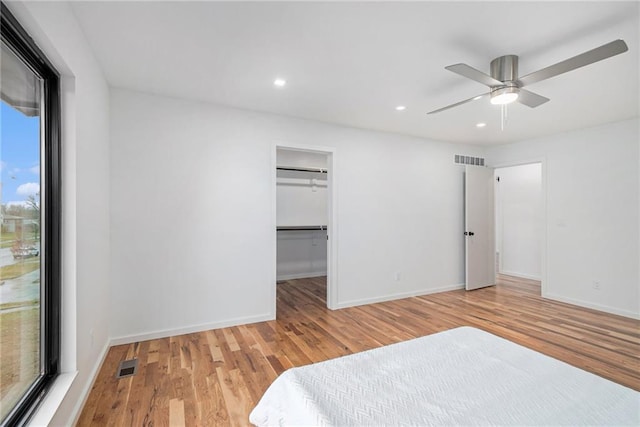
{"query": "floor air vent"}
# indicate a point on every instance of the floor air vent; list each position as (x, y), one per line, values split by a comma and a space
(127, 368)
(468, 160)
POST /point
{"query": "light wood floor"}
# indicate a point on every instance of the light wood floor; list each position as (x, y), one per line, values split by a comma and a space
(216, 377)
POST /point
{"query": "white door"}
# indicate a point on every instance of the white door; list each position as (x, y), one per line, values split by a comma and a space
(479, 227)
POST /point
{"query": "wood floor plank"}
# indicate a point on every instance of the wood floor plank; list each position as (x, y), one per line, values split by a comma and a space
(235, 396)
(216, 377)
(176, 412)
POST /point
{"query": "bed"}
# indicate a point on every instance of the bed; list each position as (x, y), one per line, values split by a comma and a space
(462, 376)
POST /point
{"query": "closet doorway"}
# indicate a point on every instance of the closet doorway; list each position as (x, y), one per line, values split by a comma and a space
(304, 219)
(520, 221)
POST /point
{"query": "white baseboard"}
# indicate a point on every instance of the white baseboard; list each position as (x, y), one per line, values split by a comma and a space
(522, 275)
(599, 307)
(301, 275)
(402, 295)
(128, 339)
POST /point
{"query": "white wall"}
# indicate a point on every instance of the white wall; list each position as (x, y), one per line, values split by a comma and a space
(519, 220)
(592, 185)
(192, 213)
(301, 199)
(301, 254)
(85, 159)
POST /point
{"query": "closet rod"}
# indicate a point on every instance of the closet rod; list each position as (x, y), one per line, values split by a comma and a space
(301, 227)
(301, 169)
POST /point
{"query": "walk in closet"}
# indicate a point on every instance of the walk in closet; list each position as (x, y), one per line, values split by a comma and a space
(301, 214)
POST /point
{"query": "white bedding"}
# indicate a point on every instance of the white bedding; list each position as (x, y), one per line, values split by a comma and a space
(463, 376)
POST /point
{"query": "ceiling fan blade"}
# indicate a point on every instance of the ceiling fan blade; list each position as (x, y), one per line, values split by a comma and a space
(473, 74)
(594, 55)
(475, 98)
(531, 99)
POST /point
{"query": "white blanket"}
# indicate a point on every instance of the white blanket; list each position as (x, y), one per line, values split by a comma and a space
(463, 376)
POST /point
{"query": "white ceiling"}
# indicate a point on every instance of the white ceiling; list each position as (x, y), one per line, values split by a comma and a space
(353, 63)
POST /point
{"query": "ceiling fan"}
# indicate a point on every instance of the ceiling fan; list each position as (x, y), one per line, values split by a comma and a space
(506, 86)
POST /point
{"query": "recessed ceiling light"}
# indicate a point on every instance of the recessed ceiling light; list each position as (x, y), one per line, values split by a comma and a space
(401, 108)
(480, 125)
(279, 82)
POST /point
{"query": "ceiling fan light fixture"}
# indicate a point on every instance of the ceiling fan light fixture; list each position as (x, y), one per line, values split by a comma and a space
(504, 95)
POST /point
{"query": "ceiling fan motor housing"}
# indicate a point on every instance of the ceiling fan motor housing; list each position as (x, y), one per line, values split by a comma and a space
(505, 68)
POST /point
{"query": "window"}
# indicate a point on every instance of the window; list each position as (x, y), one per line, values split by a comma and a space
(29, 223)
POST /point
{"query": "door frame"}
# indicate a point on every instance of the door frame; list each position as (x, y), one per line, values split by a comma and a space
(545, 224)
(332, 222)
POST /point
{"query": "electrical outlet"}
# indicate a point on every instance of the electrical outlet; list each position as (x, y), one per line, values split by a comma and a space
(397, 276)
(596, 285)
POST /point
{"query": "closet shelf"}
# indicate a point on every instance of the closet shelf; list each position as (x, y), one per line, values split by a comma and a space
(301, 169)
(301, 227)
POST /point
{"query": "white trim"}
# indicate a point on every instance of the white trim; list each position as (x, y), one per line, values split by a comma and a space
(598, 307)
(273, 276)
(521, 275)
(393, 297)
(332, 219)
(56, 394)
(301, 275)
(128, 339)
(518, 163)
(69, 310)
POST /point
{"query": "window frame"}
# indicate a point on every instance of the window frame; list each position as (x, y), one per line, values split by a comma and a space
(14, 36)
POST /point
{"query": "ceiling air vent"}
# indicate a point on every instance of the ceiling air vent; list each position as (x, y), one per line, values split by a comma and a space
(127, 368)
(468, 160)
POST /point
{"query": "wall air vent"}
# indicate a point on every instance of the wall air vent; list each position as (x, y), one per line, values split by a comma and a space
(127, 368)
(468, 160)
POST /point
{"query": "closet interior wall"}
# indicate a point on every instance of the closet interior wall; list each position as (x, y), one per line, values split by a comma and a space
(519, 220)
(301, 202)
